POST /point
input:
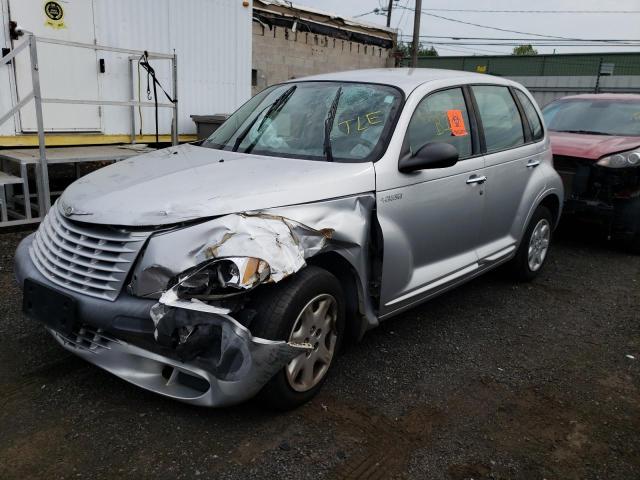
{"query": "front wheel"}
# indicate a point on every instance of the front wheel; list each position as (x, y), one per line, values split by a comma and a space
(308, 307)
(534, 246)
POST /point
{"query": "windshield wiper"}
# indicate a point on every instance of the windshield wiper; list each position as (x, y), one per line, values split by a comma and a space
(584, 132)
(328, 125)
(276, 105)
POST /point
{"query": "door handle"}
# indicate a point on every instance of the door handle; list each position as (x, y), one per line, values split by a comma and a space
(533, 163)
(476, 179)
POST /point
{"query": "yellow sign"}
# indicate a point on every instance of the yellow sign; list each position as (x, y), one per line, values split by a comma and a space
(54, 14)
(481, 68)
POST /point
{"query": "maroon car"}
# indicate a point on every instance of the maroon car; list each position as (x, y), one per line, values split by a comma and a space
(596, 149)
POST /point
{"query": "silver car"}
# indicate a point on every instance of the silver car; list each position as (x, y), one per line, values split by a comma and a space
(214, 272)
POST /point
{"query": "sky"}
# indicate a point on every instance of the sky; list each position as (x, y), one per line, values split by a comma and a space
(610, 26)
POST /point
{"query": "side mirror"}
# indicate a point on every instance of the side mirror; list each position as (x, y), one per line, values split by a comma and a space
(430, 155)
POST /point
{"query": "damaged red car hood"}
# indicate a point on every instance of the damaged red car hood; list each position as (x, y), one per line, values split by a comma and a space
(592, 147)
(184, 183)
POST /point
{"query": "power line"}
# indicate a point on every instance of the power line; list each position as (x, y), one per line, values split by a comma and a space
(402, 14)
(423, 12)
(533, 44)
(375, 10)
(528, 11)
(524, 39)
(495, 52)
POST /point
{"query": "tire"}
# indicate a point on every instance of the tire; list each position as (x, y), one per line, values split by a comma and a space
(278, 310)
(522, 269)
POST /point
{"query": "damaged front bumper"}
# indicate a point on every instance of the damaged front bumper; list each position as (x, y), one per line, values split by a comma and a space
(119, 337)
(600, 195)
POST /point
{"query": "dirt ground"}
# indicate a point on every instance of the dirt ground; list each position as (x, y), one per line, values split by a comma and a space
(491, 381)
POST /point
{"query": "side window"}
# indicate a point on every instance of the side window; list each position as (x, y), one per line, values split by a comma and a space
(500, 117)
(532, 115)
(441, 117)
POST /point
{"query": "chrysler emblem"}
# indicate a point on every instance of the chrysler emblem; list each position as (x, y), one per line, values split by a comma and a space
(68, 210)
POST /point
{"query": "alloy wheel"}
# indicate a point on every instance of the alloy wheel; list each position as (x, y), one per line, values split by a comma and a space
(316, 324)
(539, 244)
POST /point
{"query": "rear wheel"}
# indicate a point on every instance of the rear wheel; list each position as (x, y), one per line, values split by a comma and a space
(309, 308)
(533, 249)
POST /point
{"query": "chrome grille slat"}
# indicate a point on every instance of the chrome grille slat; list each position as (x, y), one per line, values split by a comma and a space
(120, 237)
(75, 251)
(66, 276)
(62, 254)
(88, 259)
(84, 241)
(72, 269)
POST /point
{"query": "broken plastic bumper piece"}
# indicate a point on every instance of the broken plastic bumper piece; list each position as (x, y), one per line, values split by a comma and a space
(220, 363)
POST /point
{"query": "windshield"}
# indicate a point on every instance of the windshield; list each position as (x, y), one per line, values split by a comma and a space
(330, 121)
(603, 117)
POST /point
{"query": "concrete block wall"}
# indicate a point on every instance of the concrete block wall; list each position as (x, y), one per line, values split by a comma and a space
(280, 54)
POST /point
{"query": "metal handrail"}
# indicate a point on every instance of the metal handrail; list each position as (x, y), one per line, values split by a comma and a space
(42, 171)
(150, 55)
(114, 103)
(8, 57)
(17, 108)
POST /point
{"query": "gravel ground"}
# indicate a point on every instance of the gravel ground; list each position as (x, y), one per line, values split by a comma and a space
(493, 380)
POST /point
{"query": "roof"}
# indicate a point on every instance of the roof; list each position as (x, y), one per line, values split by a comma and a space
(406, 79)
(330, 15)
(603, 96)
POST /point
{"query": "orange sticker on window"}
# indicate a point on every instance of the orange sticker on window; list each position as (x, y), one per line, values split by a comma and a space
(456, 123)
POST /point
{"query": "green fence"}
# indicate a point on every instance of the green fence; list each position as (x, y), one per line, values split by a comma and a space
(538, 65)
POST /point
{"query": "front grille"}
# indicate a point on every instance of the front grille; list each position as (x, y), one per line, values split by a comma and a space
(575, 173)
(565, 164)
(89, 259)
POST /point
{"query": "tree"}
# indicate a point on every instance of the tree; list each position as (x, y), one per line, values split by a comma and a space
(524, 50)
(405, 49)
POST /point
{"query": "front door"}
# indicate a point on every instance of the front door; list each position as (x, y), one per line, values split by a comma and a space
(431, 221)
(65, 72)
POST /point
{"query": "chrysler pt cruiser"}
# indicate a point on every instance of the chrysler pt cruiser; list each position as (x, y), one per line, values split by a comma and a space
(213, 272)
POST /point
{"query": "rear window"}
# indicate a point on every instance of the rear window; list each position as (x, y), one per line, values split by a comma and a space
(598, 117)
(500, 117)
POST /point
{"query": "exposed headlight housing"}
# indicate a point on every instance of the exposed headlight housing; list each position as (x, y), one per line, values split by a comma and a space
(221, 278)
(621, 160)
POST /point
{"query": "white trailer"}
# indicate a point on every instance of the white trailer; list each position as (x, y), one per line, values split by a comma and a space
(211, 40)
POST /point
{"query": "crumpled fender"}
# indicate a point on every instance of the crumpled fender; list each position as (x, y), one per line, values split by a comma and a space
(284, 238)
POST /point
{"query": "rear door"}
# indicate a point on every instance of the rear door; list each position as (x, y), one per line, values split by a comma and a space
(65, 72)
(513, 152)
(431, 219)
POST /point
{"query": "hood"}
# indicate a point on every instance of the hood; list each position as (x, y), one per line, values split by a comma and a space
(184, 183)
(592, 147)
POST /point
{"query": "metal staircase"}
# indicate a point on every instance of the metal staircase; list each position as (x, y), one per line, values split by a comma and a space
(42, 157)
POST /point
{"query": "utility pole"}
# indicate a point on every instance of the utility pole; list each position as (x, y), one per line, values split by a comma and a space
(416, 34)
(389, 13)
